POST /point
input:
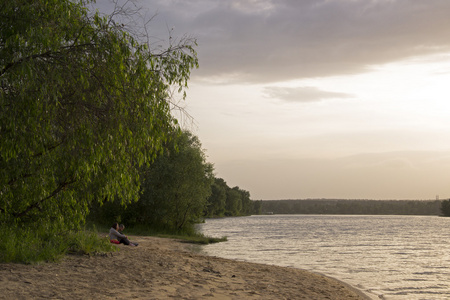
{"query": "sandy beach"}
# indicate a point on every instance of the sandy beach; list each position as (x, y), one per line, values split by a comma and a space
(164, 269)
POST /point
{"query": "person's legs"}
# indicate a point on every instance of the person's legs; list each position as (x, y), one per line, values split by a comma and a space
(124, 241)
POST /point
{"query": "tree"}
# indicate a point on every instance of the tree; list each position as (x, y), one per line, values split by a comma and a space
(234, 202)
(257, 207)
(217, 200)
(445, 208)
(230, 201)
(247, 204)
(176, 186)
(83, 106)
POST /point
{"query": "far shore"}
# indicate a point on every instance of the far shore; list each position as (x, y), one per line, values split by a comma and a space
(162, 269)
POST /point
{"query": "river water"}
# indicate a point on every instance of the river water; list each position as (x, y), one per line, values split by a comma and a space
(387, 257)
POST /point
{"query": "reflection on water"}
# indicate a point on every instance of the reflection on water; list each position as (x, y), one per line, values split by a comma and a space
(392, 257)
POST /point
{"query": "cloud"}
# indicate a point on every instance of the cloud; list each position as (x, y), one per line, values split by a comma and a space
(267, 41)
(302, 94)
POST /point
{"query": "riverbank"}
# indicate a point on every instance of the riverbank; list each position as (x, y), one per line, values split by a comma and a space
(161, 269)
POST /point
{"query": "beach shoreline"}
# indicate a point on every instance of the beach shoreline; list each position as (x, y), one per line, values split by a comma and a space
(165, 268)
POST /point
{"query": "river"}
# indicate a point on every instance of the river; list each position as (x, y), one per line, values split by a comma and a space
(387, 257)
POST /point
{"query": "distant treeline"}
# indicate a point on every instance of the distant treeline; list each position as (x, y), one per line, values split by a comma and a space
(353, 207)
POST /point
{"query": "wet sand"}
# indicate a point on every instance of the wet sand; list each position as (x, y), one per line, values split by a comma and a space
(164, 269)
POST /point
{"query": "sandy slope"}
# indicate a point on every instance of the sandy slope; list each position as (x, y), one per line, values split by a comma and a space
(164, 269)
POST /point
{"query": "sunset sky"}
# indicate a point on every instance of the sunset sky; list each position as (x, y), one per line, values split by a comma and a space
(303, 99)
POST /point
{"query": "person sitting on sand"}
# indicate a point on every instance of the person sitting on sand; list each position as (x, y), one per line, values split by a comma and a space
(121, 229)
(118, 238)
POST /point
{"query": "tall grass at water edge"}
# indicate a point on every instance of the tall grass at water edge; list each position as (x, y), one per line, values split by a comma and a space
(188, 234)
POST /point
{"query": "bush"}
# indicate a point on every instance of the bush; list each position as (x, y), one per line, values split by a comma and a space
(36, 245)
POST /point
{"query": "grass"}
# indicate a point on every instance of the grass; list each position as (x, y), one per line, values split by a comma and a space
(189, 235)
(88, 242)
(197, 239)
(25, 245)
(34, 245)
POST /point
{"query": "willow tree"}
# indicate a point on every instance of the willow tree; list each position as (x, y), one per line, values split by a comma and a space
(83, 105)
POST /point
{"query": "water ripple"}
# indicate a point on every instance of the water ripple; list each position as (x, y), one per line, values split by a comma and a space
(391, 257)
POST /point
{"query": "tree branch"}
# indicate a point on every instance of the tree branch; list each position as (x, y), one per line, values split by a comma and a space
(47, 54)
(21, 60)
(36, 204)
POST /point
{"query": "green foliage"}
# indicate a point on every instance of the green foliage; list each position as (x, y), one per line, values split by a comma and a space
(27, 245)
(233, 203)
(198, 239)
(217, 199)
(445, 207)
(226, 201)
(187, 234)
(30, 245)
(176, 186)
(83, 107)
(88, 242)
(256, 207)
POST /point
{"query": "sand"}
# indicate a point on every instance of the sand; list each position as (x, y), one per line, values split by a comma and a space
(164, 269)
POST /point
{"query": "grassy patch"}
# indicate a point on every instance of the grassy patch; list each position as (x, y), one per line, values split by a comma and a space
(198, 239)
(189, 235)
(25, 245)
(89, 242)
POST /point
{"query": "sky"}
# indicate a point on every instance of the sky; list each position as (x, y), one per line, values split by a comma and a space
(299, 99)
